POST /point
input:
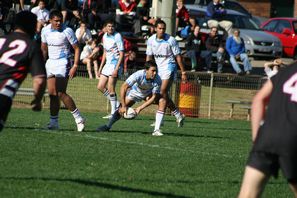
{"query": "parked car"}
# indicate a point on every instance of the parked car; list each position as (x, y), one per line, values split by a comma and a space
(257, 42)
(285, 29)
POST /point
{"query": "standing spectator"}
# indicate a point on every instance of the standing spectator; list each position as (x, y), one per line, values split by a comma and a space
(42, 15)
(165, 50)
(83, 34)
(56, 40)
(141, 85)
(14, 69)
(196, 49)
(274, 138)
(130, 60)
(125, 14)
(89, 56)
(214, 44)
(215, 14)
(236, 49)
(111, 64)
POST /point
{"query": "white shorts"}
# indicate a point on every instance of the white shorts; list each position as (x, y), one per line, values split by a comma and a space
(165, 75)
(57, 67)
(136, 96)
(109, 68)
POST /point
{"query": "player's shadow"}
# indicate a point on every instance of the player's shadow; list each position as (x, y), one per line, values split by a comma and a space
(99, 185)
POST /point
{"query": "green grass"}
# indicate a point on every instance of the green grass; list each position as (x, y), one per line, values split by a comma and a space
(206, 158)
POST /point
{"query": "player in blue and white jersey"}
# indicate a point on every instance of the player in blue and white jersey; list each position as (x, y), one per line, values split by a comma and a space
(141, 85)
(56, 40)
(111, 64)
(165, 51)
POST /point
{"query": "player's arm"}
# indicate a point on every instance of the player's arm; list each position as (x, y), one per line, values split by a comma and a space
(181, 66)
(44, 50)
(124, 88)
(102, 62)
(149, 57)
(76, 60)
(258, 107)
(146, 103)
(121, 57)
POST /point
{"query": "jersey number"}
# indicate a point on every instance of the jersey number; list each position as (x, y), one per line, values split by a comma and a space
(290, 87)
(15, 47)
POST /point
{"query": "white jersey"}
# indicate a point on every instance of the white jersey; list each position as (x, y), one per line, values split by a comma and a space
(113, 44)
(58, 41)
(141, 87)
(164, 52)
(42, 14)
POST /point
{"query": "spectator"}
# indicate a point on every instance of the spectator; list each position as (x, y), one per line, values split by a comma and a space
(130, 60)
(125, 14)
(69, 9)
(214, 44)
(42, 15)
(215, 13)
(271, 68)
(94, 20)
(89, 56)
(236, 49)
(83, 34)
(196, 48)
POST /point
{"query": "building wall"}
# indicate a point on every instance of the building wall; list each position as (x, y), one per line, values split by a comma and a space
(257, 7)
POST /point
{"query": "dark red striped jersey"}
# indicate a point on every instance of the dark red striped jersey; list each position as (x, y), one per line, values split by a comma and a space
(19, 55)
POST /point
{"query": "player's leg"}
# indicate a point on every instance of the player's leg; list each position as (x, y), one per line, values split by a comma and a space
(165, 87)
(54, 103)
(5, 105)
(253, 183)
(159, 116)
(112, 93)
(293, 187)
(61, 84)
(102, 88)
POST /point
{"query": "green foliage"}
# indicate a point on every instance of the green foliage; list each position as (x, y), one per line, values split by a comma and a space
(206, 158)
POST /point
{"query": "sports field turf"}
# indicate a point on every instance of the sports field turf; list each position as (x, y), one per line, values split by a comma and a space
(205, 158)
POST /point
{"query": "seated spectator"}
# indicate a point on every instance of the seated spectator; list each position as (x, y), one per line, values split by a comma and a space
(271, 68)
(89, 56)
(215, 44)
(83, 34)
(130, 60)
(42, 15)
(143, 18)
(215, 14)
(196, 49)
(125, 14)
(70, 11)
(236, 49)
(94, 20)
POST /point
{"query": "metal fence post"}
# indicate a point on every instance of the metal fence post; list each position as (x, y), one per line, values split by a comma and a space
(210, 94)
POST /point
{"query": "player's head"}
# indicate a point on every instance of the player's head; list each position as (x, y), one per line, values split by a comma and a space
(160, 28)
(151, 69)
(26, 21)
(109, 26)
(56, 18)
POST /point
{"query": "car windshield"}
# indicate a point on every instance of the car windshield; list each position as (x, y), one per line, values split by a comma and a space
(242, 22)
(295, 26)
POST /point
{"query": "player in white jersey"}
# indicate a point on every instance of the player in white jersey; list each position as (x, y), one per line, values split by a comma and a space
(56, 41)
(141, 85)
(111, 64)
(165, 50)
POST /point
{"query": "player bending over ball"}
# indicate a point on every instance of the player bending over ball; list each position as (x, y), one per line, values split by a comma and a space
(141, 85)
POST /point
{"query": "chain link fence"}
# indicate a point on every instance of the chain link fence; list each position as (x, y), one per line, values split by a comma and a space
(205, 95)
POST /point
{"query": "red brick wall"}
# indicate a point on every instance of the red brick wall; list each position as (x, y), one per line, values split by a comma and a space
(258, 7)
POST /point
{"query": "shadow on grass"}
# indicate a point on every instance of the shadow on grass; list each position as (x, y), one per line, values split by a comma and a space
(100, 185)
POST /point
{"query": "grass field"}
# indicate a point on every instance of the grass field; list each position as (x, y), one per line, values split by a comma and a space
(206, 158)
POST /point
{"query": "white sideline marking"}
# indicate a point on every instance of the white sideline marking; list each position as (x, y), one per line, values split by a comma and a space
(143, 144)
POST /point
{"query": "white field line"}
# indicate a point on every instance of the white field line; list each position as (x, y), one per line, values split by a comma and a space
(145, 144)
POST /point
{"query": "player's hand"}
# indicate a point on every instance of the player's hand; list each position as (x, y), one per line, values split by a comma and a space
(115, 73)
(72, 72)
(137, 110)
(122, 110)
(36, 106)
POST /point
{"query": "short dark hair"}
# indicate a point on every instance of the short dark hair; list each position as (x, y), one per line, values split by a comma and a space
(159, 21)
(108, 21)
(26, 21)
(55, 13)
(149, 64)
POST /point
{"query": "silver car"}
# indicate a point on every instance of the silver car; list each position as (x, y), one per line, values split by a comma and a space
(257, 42)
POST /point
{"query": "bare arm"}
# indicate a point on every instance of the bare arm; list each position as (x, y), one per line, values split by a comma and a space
(258, 107)
(148, 57)
(44, 50)
(146, 104)
(102, 62)
(181, 66)
(115, 72)
(76, 61)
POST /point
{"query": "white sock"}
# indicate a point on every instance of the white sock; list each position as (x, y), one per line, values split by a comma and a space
(159, 119)
(77, 116)
(113, 102)
(176, 113)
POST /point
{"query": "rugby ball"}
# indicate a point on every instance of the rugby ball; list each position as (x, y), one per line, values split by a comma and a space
(130, 114)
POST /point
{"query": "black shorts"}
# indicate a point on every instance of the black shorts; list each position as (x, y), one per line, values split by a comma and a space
(5, 105)
(269, 164)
